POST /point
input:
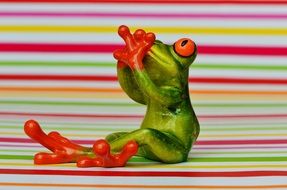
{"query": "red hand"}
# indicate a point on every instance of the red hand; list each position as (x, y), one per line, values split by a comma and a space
(137, 45)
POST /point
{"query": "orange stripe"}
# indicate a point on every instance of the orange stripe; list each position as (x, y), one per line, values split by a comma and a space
(117, 90)
(143, 186)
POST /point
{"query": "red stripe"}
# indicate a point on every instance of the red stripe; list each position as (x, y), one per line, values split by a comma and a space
(85, 48)
(58, 77)
(155, 1)
(143, 173)
(108, 48)
(122, 116)
(200, 142)
(114, 78)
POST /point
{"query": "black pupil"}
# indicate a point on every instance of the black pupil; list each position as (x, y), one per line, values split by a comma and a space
(184, 42)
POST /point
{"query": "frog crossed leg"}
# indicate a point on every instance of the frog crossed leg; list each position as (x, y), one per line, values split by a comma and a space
(153, 144)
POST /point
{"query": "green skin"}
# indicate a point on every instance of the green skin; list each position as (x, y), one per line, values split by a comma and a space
(170, 126)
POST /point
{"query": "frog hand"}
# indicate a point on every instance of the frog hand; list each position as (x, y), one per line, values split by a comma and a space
(63, 150)
(103, 157)
(137, 45)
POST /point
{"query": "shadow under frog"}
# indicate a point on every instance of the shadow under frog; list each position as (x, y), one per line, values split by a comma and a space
(151, 73)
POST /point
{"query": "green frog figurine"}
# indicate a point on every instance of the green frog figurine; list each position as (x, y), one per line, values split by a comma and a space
(151, 73)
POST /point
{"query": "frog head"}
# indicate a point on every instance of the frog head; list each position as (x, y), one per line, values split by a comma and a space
(167, 64)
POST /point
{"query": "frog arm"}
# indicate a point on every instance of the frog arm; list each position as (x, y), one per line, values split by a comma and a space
(166, 95)
(129, 85)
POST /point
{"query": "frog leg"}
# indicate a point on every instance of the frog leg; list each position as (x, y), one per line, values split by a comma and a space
(114, 136)
(157, 145)
(137, 45)
(63, 150)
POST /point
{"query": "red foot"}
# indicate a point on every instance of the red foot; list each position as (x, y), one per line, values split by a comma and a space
(64, 151)
(137, 45)
(103, 158)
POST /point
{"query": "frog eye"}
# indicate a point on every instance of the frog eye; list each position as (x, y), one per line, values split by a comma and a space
(184, 47)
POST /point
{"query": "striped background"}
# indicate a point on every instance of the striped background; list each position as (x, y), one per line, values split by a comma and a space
(56, 66)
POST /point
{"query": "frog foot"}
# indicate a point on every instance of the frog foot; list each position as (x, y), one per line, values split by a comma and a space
(104, 158)
(137, 45)
(63, 150)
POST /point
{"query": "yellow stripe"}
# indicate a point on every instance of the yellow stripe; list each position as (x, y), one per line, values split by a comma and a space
(94, 95)
(156, 29)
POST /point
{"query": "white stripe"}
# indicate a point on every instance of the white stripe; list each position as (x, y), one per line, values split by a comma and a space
(142, 22)
(108, 57)
(109, 38)
(143, 8)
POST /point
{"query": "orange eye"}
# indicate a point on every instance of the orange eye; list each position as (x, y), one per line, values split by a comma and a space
(184, 47)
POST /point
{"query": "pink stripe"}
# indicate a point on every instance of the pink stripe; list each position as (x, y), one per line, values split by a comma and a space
(195, 147)
(146, 15)
(200, 142)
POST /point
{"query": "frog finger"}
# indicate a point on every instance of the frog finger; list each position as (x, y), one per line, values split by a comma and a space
(118, 54)
(50, 158)
(126, 35)
(64, 141)
(139, 35)
(34, 131)
(150, 38)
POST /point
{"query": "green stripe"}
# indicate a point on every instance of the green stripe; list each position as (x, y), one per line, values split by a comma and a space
(55, 64)
(209, 159)
(113, 128)
(126, 104)
(245, 66)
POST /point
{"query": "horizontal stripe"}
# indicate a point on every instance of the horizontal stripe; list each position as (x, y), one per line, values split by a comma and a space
(156, 1)
(12, 145)
(143, 8)
(165, 166)
(129, 116)
(199, 65)
(144, 15)
(111, 91)
(200, 142)
(123, 127)
(191, 160)
(127, 186)
(92, 103)
(109, 48)
(192, 79)
(101, 133)
(193, 152)
(144, 173)
(157, 30)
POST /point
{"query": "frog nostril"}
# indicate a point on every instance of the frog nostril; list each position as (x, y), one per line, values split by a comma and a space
(184, 42)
